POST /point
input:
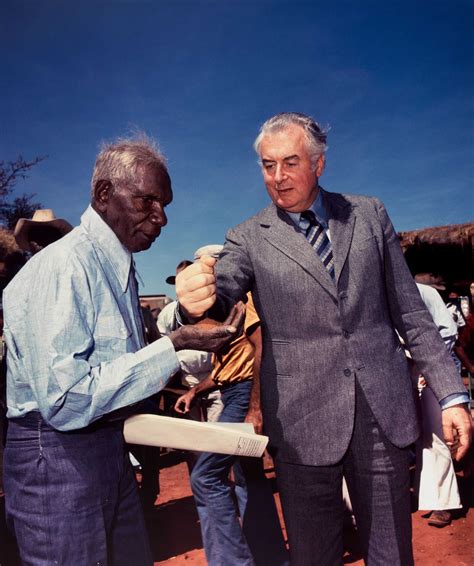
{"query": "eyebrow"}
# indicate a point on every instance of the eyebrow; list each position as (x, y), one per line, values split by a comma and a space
(289, 158)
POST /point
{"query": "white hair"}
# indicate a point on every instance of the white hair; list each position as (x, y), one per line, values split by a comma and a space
(315, 135)
(123, 161)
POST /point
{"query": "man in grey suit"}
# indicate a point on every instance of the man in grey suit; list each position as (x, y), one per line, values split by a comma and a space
(333, 293)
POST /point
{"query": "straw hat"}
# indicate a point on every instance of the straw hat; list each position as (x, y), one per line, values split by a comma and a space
(44, 220)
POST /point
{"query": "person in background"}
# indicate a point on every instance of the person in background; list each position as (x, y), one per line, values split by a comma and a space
(453, 306)
(43, 229)
(77, 363)
(436, 481)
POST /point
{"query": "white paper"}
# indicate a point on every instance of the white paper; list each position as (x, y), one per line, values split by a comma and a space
(183, 434)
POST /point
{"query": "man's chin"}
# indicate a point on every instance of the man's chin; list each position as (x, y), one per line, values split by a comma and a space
(143, 243)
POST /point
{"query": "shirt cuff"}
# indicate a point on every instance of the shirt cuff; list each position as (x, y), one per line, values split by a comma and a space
(181, 320)
(454, 399)
(177, 316)
(160, 360)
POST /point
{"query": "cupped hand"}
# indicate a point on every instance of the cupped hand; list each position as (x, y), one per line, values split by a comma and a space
(183, 403)
(210, 337)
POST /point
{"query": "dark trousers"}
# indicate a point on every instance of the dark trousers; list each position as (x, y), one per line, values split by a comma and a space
(71, 497)
(377, 475)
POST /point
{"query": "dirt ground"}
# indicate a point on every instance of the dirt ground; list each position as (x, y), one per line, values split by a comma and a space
(176, 540)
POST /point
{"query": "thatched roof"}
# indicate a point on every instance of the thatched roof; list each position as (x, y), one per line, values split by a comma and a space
(447, 251)
(452, 235)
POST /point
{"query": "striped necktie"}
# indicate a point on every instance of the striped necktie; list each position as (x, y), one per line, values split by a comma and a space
(318, 238)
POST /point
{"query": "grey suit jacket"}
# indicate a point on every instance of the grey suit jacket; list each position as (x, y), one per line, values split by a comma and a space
(320, 337)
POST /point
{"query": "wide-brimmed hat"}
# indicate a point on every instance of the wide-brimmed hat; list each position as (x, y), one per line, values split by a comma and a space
(435, 281)
(171, 279)
(43, 222)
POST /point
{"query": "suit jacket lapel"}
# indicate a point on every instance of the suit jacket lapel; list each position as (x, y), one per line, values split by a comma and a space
(279, 230)
(341, 228)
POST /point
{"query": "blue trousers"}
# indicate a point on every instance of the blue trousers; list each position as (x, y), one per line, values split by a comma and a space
(223, 533)
(71, 497)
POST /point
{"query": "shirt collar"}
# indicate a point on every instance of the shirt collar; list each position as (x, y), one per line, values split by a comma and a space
(109, 245)
(317, 207)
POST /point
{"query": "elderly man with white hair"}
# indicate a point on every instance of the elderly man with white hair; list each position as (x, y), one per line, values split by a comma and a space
(77, 359)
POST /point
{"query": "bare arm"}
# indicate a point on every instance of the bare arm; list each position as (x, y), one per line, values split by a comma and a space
(254, 414)
(184, 403)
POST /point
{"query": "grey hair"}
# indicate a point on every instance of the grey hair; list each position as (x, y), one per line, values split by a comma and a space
(123, 160)
(315, 135)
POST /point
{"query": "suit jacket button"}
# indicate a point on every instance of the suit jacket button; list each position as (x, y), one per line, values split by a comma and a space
(347, 372)
(346, 334)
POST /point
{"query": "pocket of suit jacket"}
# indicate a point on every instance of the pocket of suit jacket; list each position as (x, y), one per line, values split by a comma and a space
(279, 362)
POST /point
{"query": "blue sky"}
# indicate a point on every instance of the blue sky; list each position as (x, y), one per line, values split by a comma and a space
(392, 79)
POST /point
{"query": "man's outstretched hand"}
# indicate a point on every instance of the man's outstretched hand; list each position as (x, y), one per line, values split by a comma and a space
(210, 337)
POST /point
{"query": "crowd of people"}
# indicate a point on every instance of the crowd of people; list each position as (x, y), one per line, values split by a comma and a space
(307, 323)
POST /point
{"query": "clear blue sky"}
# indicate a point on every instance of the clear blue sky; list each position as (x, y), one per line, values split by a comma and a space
(393, 80)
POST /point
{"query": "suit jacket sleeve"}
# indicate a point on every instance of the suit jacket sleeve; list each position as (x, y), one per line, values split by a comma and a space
(235, 275)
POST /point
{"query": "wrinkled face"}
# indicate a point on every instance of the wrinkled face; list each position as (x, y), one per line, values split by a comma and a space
(135, 213)
(288, 173)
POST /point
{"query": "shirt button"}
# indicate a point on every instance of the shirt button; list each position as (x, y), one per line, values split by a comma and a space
(347, 372)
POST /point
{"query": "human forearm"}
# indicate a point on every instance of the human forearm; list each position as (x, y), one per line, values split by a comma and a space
(88, 393)
(184, 403)
(204, 386)
(464, 358)
(254, 413)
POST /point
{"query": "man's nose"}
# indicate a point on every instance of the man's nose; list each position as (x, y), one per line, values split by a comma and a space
(279, 173)
(158, 215)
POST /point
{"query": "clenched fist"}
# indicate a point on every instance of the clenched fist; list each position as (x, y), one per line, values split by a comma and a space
(196, 287)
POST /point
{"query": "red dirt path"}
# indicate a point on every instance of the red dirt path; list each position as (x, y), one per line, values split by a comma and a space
(176, 539)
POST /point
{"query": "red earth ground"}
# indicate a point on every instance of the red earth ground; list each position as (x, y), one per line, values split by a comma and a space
(176, 540)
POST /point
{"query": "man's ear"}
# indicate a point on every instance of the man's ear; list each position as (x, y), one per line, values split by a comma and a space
(320, 163)
(102, 193)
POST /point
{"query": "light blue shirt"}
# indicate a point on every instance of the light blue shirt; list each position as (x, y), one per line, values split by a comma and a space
(73, 333)
(322, 217)
(319, 211)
